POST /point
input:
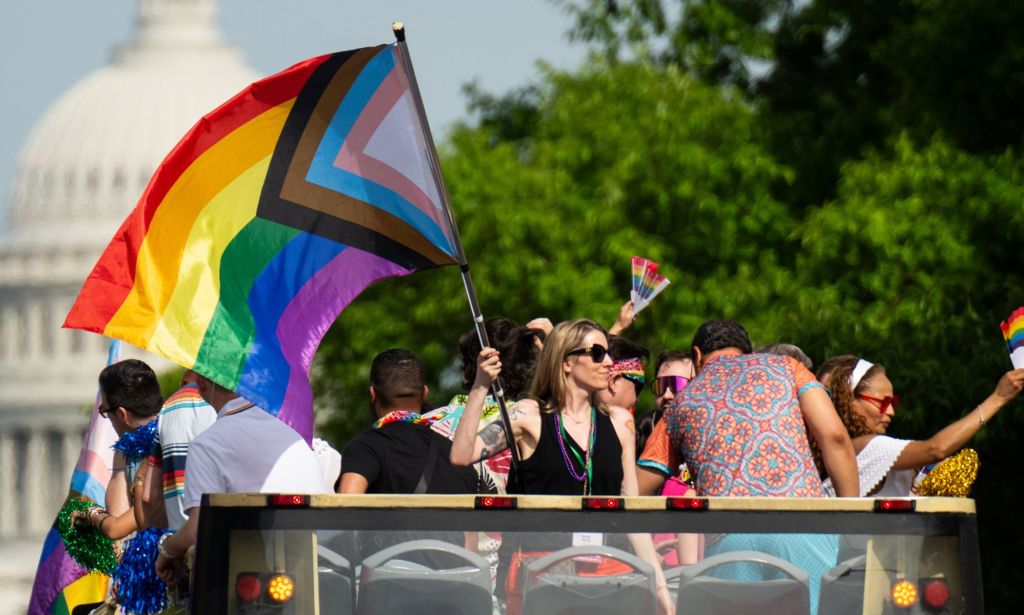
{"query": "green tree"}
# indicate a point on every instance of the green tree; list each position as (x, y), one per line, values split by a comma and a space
(619, 161)
(837, 212)
(913, 265)
(833, 79)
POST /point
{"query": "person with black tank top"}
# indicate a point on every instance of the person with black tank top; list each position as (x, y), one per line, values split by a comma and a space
(569, 442)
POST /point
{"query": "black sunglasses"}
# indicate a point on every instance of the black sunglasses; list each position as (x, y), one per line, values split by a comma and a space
(597, 352)
(638, 382)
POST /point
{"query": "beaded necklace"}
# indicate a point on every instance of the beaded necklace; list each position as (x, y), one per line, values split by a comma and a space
(587, 476)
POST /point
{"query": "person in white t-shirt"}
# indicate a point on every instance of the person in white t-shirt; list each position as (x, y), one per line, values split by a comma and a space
(245, 450)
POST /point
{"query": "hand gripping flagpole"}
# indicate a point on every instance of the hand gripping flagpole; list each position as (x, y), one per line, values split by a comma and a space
(467, 281)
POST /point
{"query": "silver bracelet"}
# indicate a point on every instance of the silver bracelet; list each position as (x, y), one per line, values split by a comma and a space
(162, 549)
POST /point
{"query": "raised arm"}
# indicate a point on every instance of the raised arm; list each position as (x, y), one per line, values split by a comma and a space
(952, 437)
(836, 448)
(624, 320)
(468, 446)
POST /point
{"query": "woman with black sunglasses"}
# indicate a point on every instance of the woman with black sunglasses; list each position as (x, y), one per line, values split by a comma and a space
(863, 396)
(569, 442)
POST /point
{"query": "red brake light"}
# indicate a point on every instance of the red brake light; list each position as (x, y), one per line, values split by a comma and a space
(492, 501)
(288, 500)
(934, 593)
(247, 586)
(604, 504)
(895, 505)
(686, 503)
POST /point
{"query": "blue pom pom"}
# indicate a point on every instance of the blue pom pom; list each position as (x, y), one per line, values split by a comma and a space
(137, 443)
(138, 589)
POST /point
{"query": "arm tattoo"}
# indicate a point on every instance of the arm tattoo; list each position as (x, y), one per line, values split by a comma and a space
(493, 437)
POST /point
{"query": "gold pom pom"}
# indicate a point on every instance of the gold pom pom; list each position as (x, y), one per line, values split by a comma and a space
(951, 478)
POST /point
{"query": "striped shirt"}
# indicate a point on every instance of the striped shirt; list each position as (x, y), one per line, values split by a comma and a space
(184, 416)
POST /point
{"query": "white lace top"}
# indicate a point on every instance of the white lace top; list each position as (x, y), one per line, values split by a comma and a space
(874, 465)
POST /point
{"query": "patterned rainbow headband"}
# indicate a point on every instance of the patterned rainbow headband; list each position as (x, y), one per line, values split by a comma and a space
(858, 372)
(628, 367)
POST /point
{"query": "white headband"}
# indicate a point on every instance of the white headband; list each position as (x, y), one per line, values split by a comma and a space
(858, 372)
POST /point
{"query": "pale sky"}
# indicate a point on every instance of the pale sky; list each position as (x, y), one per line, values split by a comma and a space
(46, 46)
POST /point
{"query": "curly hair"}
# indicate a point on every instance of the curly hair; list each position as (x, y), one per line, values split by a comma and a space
(718, 334)
(514, 343)
(836, 372)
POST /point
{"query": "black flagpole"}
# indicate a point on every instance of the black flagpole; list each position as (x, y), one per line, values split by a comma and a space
(467, 281)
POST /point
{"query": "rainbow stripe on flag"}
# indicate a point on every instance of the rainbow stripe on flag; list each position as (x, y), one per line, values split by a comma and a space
(61, 583)
(1013, 333)
(647, 282)
(272, 214)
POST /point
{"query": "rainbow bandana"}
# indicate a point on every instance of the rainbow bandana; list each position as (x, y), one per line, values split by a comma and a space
(631, 369)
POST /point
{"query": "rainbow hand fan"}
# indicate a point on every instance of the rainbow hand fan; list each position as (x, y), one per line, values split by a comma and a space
(1013, 333)
(647, 283)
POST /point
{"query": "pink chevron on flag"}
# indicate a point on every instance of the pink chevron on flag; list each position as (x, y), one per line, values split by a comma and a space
(370, 147)
(57, 571)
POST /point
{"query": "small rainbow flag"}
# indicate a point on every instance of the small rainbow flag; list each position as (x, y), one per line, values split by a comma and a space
(647, 283)
(272, 214)
(61, 583)
(1013, 333)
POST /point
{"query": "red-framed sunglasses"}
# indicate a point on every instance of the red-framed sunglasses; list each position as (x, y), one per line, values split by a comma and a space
(883, 402)
(673, 383)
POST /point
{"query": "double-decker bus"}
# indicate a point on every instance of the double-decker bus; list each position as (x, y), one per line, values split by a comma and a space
(333, 554)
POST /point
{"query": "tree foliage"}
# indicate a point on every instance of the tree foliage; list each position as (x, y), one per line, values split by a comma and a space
(841, 175)
(617, 161)
(835, 78)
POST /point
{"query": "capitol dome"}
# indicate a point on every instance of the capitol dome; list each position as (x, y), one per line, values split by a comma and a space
(84, 166)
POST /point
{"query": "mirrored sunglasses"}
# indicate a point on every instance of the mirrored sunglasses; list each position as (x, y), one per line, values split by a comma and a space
(670, 383)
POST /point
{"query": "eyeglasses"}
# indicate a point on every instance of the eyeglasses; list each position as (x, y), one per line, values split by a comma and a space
(638, 381)
(883, 402)
(597, 352)
(104, 411)
(670, 383)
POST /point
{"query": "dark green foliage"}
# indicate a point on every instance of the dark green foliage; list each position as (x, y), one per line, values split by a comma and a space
(840, 175)
(617, 161)
(835, 78)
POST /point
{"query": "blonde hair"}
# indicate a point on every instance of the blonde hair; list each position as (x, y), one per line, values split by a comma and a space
(550, 387)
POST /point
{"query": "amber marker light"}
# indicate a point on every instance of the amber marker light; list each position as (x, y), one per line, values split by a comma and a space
(281, 588)
(904, 594)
